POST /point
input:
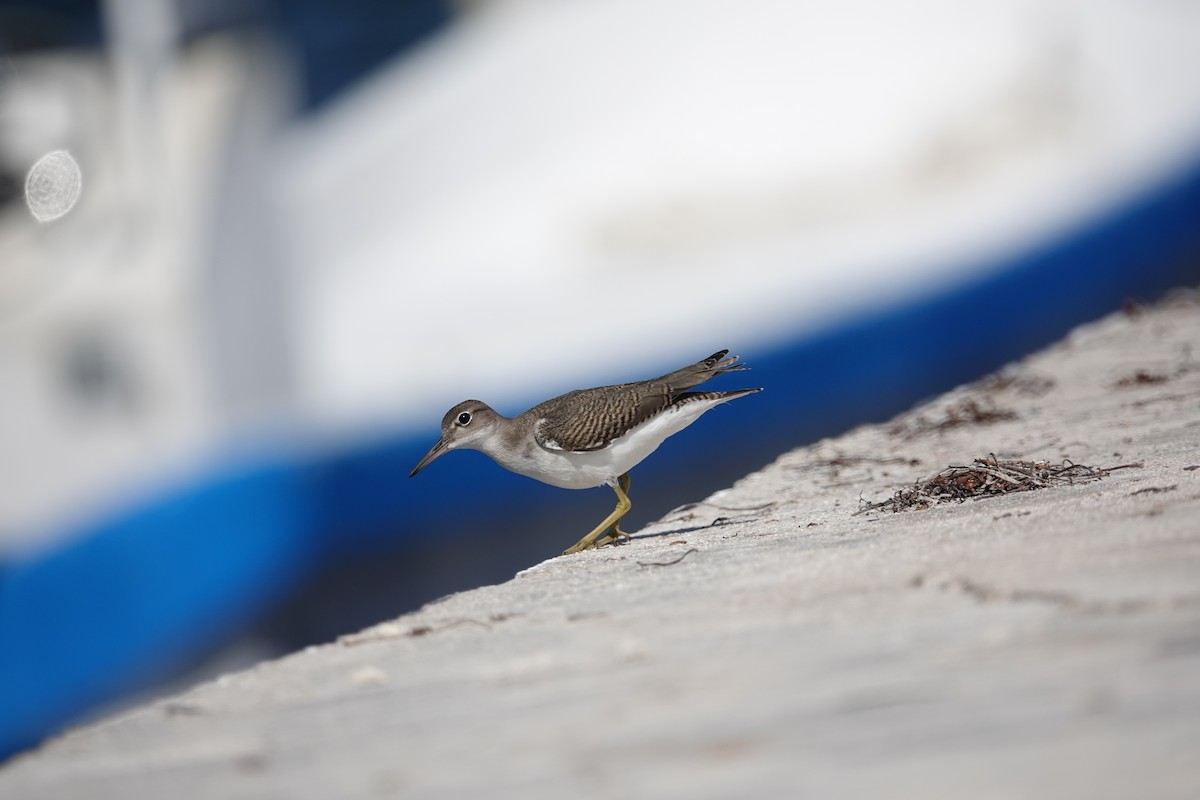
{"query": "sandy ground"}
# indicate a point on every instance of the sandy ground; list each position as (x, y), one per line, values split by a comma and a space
(769, 641)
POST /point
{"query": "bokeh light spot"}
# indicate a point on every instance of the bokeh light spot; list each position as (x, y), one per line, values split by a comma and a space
(53, 185)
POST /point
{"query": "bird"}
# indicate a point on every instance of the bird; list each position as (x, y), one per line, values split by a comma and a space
(589, 437)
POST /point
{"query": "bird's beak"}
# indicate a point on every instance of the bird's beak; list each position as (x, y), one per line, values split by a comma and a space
(438, 448)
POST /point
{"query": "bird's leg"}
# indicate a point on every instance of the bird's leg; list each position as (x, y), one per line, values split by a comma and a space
(610, 522)
(614, 534)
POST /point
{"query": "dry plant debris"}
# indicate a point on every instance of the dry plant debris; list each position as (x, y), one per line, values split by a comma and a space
(967, 411)
(1141, 377)
(1015, 380)
(988, 477)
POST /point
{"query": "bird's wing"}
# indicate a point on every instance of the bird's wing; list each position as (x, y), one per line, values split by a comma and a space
(603, 414)
(599, 416)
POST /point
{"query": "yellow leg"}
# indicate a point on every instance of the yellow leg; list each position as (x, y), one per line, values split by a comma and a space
(609, 524)
(614, 534)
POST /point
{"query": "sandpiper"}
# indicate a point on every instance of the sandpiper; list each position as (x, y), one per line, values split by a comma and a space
(588, 437)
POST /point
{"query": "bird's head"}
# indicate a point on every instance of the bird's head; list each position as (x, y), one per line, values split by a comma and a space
(464, 426)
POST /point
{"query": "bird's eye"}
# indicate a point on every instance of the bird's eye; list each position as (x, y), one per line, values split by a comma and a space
(464, 418)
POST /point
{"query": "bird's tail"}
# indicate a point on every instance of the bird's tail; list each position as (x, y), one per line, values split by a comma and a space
(715, 398)
(696, 374)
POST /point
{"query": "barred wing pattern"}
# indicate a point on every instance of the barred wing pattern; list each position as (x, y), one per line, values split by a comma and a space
(607, 412)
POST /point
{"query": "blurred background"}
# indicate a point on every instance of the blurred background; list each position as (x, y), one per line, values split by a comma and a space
(250, 252)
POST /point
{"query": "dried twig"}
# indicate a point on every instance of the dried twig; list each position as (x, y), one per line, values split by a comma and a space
(672, 562)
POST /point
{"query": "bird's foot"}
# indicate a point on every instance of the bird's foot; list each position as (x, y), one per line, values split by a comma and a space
(579, 547)
(612, 535)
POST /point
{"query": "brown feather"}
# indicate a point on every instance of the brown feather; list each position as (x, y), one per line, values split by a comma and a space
(606, 413)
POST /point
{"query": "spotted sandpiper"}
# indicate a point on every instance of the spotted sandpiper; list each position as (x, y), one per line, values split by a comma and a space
(588, 437)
